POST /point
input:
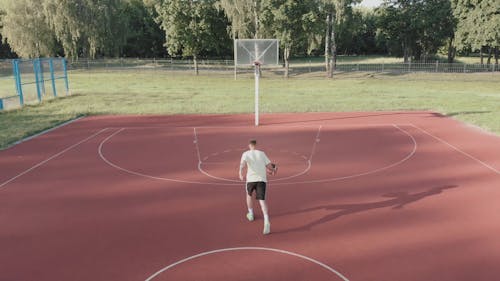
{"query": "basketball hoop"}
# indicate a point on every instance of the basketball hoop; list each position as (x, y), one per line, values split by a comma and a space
(256, 52)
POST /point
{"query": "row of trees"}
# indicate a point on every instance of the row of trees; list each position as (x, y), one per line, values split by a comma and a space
(413, 29)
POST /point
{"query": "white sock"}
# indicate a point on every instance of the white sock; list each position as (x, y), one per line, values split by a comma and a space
(266, 218)
(250, 210)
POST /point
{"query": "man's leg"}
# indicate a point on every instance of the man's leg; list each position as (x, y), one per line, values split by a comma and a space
(267, 223)
(263, 206)
(261, 196)
(250, 215)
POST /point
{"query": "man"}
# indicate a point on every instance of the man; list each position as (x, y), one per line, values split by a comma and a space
(258, 165)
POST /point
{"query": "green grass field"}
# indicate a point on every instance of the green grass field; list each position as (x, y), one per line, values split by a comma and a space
(472, 98)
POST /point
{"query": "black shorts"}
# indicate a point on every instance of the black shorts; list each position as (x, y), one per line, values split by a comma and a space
(260, 189)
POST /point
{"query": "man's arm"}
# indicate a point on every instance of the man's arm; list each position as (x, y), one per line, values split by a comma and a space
(242, 166)
(272, 168)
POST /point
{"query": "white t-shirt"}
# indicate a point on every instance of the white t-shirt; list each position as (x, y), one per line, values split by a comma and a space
(256, 161)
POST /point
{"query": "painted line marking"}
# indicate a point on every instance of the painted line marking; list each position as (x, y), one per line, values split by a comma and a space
(323, 265)
(263, 126)
(43, 132)
(101, 155)
(313, 150)
(406, 158)
(458, 150)
(50, 158)
(305, 171)
(196, 145)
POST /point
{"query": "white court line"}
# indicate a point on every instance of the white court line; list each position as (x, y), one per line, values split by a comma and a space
(50, 158)
(327, 267)
(410, 155)
(315, 143)
(44, 132)
(196, 144)
(200, 162)
(406, 158)
(263, 126)
(308, 161)
(101, 155)
(458, 150)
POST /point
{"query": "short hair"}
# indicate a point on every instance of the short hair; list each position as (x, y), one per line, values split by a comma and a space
(253, 142)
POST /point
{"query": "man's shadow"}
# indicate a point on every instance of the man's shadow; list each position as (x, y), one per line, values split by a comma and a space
(397, 201)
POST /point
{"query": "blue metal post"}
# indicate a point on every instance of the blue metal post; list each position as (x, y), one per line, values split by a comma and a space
(52, 76)
(65, 69)
(37, 79)
(17, 77)
(1, 104)
(42, 79)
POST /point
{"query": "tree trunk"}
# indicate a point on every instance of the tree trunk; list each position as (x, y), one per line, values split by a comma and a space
(481, 55)
(195, 61)
(333, 49)
(488, 62)
(327, 42)
(451, 51)
(496, 56)
(286, 57)
(405, 51)
(256, 18)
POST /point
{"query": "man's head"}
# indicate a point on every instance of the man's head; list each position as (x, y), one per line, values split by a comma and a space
(252, 144)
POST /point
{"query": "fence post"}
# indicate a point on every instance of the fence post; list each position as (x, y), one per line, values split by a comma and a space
(52, 76)
(1, 104)
(17, 76)
(37, 78)
(464, 67)
(437, 66)
(383, 66)
(65, 69)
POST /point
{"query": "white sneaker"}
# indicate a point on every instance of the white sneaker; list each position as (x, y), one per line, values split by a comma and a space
(250, 216)
(267, 228)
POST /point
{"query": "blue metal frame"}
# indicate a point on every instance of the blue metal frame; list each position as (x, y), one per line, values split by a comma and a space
(51, 65)
(17, 76)
(38, 67)
(65, 69)
(36, 63)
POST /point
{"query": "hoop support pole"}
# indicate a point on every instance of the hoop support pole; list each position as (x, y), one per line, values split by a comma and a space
(257, 72)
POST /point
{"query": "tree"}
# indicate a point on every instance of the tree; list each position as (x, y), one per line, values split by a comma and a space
(478, 25)
(5, 50)
(335, 12)
(244, 16)
(416, 27)
(26, 30)
(191, 27)
(291, 21)
(86, 27)
(143, 36)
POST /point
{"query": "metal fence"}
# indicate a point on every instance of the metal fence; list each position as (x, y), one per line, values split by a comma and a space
(32, 81)
(295, 67)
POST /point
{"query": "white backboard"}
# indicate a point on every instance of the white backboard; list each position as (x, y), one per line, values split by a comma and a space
(249, 51)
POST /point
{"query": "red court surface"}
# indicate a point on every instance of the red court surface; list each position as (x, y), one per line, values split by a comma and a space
(390, 196)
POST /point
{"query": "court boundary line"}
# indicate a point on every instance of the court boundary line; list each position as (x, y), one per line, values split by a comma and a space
(2, 186)
(234, 249)
(406, 158)
(478, 161)
(43, 132)
(262, 126)
(308, 161)
(101, 155)
(410, 155)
